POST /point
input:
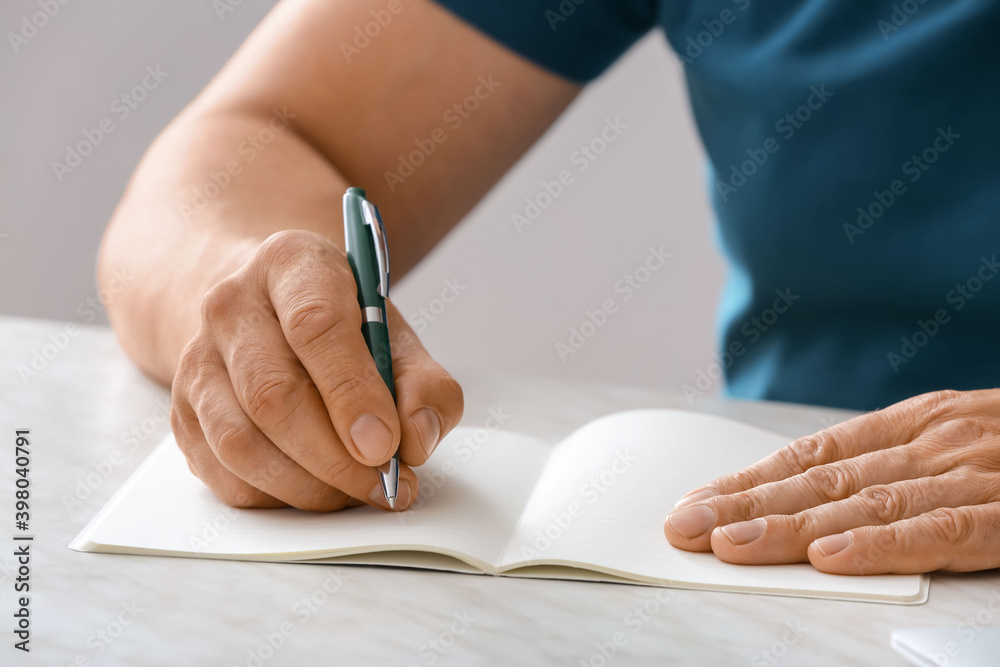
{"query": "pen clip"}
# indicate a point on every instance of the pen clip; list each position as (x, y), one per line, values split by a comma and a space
(374, 220)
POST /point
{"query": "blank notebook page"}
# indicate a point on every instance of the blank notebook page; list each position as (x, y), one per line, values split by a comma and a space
(619, 522)
(165, 508)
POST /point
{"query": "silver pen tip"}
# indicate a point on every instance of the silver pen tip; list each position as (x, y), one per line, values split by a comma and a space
(389, 479)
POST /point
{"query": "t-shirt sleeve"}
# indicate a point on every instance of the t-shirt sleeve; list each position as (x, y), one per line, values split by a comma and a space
(577, 39)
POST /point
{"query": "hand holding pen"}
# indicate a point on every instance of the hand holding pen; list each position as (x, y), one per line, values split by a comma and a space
(278, 399)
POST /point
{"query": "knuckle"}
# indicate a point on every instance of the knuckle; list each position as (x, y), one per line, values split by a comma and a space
(747, 504)
(232, 444)
(803, 523)
(813, 450)
(186, 429)
(194, 359)
(959, 431)
(887, 540)
(184, 421)
(952, 525)
(335, 470)
(303, 252)
(946, 395)
(454, 397)
(936, 401)
(313, 318)
(448, 392)
(832, 481)
(350, 387)
(884, 503)
(287, 243)
(271, 397)
(218, 303)
(747, 478)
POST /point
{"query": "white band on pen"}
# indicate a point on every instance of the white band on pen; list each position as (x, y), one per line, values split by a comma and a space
(372, 314)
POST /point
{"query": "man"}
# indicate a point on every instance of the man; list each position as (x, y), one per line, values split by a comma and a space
(853, 146)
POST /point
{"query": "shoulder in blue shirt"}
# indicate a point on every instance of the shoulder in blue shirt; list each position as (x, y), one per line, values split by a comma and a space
(853, 148)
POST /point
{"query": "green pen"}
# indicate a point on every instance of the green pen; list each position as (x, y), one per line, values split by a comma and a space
(368, 254)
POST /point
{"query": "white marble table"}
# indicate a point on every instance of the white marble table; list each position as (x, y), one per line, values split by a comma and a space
(124, 610)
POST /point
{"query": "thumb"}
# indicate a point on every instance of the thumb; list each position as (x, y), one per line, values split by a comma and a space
(428, 399)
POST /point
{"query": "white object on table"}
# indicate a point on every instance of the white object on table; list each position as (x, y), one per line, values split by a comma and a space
(968, 646)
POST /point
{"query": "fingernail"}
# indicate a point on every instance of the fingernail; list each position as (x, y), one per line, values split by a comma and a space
(692, 521)
(832, 544)
(372, 437)
(429, 427)
(403, 496)
(744, 532)
(693, 497)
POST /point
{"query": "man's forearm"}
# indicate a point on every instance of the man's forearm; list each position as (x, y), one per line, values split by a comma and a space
(239, 165)
(208, 192)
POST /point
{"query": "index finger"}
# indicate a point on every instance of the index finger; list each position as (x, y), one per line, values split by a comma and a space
(883, 429)
(312, 289)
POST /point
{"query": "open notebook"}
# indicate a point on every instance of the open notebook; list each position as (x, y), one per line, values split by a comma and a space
(590, 507)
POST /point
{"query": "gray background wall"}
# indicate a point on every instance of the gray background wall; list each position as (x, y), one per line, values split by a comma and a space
(646, 190)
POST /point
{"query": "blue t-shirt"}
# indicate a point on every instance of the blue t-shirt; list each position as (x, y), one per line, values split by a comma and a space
(854, 154)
